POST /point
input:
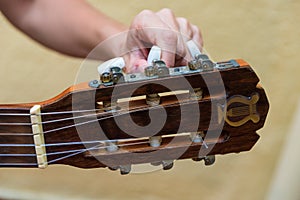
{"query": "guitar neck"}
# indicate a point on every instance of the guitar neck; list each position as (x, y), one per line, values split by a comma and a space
(16, 139)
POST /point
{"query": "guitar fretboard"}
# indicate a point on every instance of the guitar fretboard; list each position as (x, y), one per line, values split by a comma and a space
(16, 138)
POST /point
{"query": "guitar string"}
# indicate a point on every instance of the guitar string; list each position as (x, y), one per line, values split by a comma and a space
(102, 142)
(70, 112)
(119, 114)
(51, 121)
(67, 143)
(88, 149)
(51, 113)
(71, 151)
(95, 120)
(86, 142)
(76, 152)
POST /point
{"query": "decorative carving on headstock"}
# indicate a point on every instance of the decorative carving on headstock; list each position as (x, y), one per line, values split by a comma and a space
(244, 111)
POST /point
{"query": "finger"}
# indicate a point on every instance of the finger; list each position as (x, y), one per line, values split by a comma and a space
(168, 17)
(185, 29)
(190, 32)
(197, 37)
(187, 34)
(149, 29)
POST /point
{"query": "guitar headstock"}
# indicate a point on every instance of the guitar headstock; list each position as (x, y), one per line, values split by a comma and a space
(157, 116)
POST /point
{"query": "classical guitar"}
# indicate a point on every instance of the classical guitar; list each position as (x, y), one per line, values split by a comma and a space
(158, 116)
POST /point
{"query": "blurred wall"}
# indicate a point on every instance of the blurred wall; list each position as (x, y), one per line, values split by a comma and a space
(265, 33)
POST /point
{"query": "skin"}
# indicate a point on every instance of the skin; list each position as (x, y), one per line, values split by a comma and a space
(75, 28)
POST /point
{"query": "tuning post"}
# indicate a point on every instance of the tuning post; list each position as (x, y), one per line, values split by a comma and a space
(197, 137)
(150, 71)
(155, 141)
(110, 106)
(153, 99)
(125, 169)
(196, 94)
(194, 65)
(112, 146)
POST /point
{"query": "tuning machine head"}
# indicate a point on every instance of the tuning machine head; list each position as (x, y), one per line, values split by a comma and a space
(166, 164)
(111, 71)
(125, 169)
(158, 68)
(201, 62)
(117, 75)
(112, 76)
(208, 160)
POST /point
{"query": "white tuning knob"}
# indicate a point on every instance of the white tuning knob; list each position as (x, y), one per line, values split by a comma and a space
(154, 54)
(193, 48)
(115, 62)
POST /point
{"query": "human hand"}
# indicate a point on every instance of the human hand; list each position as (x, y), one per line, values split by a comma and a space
(164, 30)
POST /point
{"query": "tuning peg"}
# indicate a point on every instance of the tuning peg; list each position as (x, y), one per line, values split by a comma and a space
(111, 146)
(117, 75)
(161, 68)
(154, 54)
(208, 65)
(194, 65)
(167, 164)
(155, 141)
(110, 106)
(197, 137)
(113, 168)
(193, 48)
(197, 159)
(196, 94)
(153, 99)
(156, 163)
(209, 160)
(125, 169)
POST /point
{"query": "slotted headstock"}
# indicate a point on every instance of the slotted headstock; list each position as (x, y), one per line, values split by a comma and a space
(190, 112)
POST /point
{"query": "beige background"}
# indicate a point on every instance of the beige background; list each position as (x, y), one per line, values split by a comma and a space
(265, 33)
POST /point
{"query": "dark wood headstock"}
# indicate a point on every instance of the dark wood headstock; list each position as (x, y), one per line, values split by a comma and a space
(196, 116)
